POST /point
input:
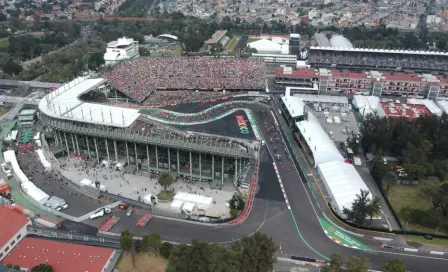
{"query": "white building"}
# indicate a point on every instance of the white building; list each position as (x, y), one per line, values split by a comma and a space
(12, 229)
(122, 49)
(343, 183)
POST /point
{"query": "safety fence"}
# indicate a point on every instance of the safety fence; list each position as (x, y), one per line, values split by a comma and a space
(250, 198)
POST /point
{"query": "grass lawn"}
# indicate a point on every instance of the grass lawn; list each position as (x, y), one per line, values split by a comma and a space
(4, 45)
(409, 196)
(418, 240)
(177, 52)
(168, 195)
(143, 263)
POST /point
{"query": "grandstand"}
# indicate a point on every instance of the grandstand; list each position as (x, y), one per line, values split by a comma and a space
(111, 132)
(137, 79)
(378, 59)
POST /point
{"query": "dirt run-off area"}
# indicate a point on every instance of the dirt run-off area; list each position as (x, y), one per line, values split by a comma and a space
(143, 263)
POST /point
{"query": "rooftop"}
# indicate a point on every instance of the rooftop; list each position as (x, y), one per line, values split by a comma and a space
(121, 42)
(216, 37)
(348, 74)
(63, 257)
(265, 45)
(65, 104)
(323, 148)
(385, 51)
(300, 73)
(343, 181)
(11, 222)
(402, 77)
(294, 105)
(409, 111)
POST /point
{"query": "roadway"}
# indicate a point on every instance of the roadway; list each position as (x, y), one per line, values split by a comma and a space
(298, 231)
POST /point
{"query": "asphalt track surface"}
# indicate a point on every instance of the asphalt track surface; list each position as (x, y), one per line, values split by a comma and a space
(197, 107)
(269, 214)
(226, 126)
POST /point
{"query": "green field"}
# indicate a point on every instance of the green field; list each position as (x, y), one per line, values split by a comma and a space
(418, 241)
(402, 196)
(4, 45)
(253, 40)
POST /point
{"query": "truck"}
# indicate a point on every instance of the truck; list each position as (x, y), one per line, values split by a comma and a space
(56, 203)
(100, 213)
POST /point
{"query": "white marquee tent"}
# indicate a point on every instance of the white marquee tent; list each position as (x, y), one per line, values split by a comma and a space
(343, 183)
(203, 202)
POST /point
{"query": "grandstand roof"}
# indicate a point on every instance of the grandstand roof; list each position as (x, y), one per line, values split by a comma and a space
(168, 36)
(412, 52)
(339, 41)
(64, 103)
(323, 148)
(322, 40)
(300, 73)
(264, 45)
(402, 77)
(216, 37)
(409, 111)
(347, 74)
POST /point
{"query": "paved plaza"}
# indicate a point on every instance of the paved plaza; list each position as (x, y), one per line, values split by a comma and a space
(141, 184)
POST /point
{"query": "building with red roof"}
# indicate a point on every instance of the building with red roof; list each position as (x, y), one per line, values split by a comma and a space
(63, 257)
(12, 229)
(400, 110)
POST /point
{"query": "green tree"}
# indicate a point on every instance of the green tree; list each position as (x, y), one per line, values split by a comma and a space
(357, 264)
(16, 267)
(393, 265)
(374, 208)
(379, 169)
(42, 268)
(95, 61)
(165, 180)
(388, 181)
(336, 263)
(126, 240)
(165, 250)
(360, 208)
(145, 247)
(257, 253)
(154, 241)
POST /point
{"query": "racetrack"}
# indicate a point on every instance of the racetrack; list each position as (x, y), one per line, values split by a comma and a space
(297, 230)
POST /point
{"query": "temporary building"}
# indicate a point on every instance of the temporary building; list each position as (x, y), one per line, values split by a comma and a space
(176, 205)
(35, 193)
(431, 105)
(264, 46)
(342, 183)
(10, 157)
(37, 136)
(147, 199)
(188, 207)
(203, 202)
(322, 147)
(362, 102)
(28, 186)
(85, 182)
(102, 188)
(43, 160)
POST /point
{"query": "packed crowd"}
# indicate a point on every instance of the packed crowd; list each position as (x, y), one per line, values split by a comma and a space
(377, 60)
(165, 97)
(140, 76)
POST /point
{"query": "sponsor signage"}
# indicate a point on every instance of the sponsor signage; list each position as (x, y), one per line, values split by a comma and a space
(242, 124)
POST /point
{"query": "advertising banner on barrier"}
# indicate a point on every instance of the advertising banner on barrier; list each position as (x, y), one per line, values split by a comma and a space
(341, 237)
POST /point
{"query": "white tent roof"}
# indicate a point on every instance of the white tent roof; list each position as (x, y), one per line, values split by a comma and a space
(432, 107)
(85, 182)
(176, 205)
(188, 206)
(361, 101)
(200, 200)
(343, 181)
(265, 45)
(323, 148)
(294, 105)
